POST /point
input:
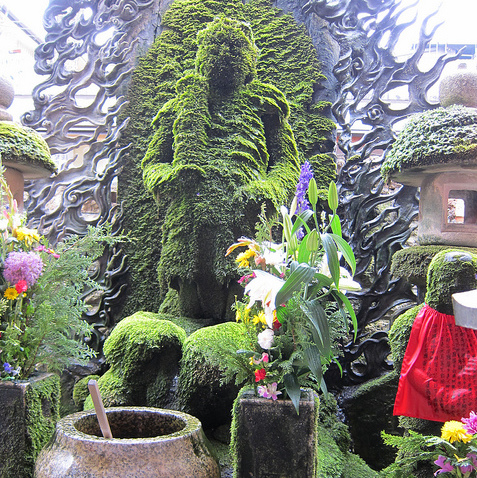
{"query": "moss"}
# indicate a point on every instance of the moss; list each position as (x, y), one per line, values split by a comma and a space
(287, 59)
(22, 145)
(115, 391)
(450, 271)
(134, 338)
(143, 352)
(81, 391)
(42, 400)
(413, 262)
(440, 136)
(202, 390)
(399, 335)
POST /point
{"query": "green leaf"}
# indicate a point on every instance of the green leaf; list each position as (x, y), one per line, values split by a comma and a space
(302, 220)
(336, 225)
(341, 298)
(301, 275)
(333, 197)
(332, 257)
(293, 390)
(313, 360)
(321, 329)
(346, 250)
(303, 251)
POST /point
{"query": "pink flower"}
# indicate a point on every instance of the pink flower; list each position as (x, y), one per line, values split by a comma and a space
(470, 424)
(263, 358)
(25, 266)
(21, 286)
(269, 391)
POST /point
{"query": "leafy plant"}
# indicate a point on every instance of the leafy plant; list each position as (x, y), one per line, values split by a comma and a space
(294, 290)
(42, 305)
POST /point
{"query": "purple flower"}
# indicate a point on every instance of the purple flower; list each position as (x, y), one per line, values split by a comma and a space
(305, 176)
(269, 391)
(470, 424)
(7, 367)
(25, 266)
(466, 468)
(444, 464)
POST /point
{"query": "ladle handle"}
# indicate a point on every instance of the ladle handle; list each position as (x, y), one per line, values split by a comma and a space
(99, 409)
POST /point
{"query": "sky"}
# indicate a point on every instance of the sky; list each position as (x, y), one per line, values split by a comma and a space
(460, 16)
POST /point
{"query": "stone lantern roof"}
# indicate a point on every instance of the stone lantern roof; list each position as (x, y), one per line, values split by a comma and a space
(436, 141)
(25, 150)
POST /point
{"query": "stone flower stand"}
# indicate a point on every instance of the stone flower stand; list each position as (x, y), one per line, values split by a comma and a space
(269, 439)
(147, 442)
(29, 410)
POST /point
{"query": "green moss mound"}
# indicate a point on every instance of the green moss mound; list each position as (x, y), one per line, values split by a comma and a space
(287, 60)
(25, 147)
(440, 136)
(144, 353)
(202, 391)
(450, 271)
(81, 391)
(413, 262)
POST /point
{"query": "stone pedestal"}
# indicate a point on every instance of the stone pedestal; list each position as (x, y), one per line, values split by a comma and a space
(28, 415)
(269, 439)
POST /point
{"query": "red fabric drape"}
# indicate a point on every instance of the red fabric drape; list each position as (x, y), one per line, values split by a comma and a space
(439, 372)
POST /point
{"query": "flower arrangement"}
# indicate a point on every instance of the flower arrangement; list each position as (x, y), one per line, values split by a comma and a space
(294, 295)
(454, 452)
(41, 305)
(457, 447)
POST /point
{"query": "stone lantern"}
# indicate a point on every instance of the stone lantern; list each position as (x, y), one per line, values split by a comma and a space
(437, 151)
(24, 153)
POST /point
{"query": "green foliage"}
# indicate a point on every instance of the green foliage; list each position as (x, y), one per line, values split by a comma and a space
(439, 136)
(287, 60)
(22, 145)
(413, 451)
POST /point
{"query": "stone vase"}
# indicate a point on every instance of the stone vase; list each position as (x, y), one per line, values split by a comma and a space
(29, 410)
(146, 443)
(269, 439)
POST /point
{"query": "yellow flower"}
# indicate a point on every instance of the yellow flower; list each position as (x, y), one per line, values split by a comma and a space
(243, 258)
(11, 293)
(259, 318)
(27, 235)
(454, 431)
(242, 315)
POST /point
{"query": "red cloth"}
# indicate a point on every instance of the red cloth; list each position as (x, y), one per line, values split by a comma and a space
(439, 372)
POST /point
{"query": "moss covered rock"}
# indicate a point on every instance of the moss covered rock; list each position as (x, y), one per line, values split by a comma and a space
(450, 271)
(435, 137)
(286, 59)
(29, 412)
(143, 352)
(81, 391)
(25, 149)
(202, 391)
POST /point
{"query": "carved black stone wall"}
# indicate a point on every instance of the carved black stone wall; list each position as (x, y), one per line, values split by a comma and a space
(92, 45)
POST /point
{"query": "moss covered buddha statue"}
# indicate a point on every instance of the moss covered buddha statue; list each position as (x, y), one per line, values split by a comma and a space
(222, 147)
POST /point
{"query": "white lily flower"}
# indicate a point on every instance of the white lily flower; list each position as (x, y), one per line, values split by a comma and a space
(346, 280)
(274, 254)
(264, 288)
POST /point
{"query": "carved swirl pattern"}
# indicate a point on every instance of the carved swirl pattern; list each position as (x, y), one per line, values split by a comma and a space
(377, 221)
(91, 47)
(88, 54)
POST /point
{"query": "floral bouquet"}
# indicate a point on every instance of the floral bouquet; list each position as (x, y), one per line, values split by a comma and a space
(457, 447)
(295, 307)
(41, 306)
